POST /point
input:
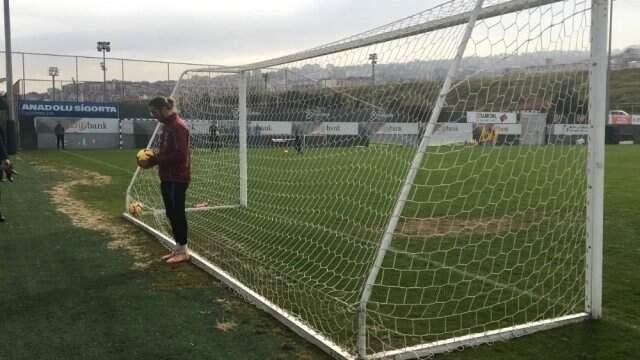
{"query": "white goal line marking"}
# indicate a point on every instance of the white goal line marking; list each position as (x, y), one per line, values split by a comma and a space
(472, 275)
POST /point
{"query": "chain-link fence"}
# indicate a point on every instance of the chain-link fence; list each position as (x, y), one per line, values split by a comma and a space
(40, 76)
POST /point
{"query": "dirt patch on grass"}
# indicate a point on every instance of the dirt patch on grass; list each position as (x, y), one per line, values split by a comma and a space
(452, 226)
(226, 326)
(86, 217)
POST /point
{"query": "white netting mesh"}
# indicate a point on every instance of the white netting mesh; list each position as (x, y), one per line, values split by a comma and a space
(493, 230)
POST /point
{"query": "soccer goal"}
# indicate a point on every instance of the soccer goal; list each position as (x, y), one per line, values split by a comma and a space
(431, 184)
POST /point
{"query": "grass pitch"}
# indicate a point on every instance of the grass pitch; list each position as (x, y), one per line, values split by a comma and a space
(69, 296)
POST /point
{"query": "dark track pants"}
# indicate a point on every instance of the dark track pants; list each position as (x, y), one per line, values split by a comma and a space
(60, 141)
(174, 196)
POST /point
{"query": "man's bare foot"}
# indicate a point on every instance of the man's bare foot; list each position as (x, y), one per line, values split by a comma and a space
(178, 258)
(169, 255)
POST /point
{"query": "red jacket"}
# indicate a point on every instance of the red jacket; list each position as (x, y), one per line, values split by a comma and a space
(174, 156)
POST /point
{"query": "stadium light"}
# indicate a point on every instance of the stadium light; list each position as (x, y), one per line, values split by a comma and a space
(53, 72)
(104, 47)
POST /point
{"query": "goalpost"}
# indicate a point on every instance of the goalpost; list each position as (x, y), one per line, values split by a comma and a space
(346, 195)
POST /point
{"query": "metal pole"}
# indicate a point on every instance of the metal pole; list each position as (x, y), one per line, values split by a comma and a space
(24, 83)
(374, 60)
(104, 72)
(122, 82)
(408, 183)
(77, 81)
(373, 73)
(53, 84)
(609, 58)
(595, 183)
(242, 122)
(169, 74)
(13, 130)
(373, 82)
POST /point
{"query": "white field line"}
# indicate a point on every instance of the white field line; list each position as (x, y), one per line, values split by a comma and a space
(475, 276)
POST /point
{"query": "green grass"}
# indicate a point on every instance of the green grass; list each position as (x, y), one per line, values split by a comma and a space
(250, 244)
(623, 93)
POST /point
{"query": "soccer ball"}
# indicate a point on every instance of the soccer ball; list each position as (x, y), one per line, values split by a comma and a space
(136, 208)
(143, 158)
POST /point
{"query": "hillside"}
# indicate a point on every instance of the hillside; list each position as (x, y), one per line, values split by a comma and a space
(624, 90)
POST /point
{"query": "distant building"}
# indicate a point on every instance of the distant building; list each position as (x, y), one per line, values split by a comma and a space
(353, 81)
(116, 90)
(628, 58)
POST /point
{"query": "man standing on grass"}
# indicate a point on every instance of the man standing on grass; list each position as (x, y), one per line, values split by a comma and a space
(59, 131)
(174, 163)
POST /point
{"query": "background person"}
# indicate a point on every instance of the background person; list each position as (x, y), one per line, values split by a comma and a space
(59, 131)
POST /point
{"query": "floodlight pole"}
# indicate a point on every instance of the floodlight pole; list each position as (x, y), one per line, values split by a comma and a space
(77, 81)
(104, 76)
(53, 87)
(374, 60)
(53, 72)
(104, 46)
(13, 130)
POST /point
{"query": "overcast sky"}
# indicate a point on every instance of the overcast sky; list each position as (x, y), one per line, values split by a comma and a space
(220, 32)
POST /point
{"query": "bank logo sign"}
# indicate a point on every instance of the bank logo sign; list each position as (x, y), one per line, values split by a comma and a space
(68, 109)
(491, 118)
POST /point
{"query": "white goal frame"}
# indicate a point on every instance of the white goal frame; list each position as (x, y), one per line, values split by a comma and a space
(595, 182)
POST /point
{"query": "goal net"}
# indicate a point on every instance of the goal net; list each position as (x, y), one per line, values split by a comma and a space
(413, 189)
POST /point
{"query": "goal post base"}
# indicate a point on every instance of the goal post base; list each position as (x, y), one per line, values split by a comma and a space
(503, 334)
